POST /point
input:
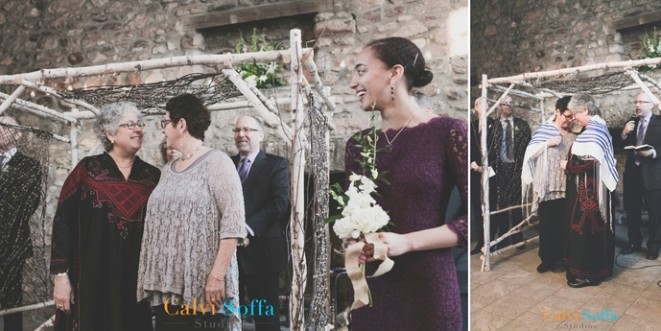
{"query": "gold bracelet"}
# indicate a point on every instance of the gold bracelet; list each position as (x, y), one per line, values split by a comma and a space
(218, 278)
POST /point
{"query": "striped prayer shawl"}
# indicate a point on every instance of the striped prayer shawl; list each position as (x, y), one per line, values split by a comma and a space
(545, 132)
(538, 141)
(595, 141)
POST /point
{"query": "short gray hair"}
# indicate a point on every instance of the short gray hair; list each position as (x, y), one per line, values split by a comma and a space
(583, 100)
(108, 120)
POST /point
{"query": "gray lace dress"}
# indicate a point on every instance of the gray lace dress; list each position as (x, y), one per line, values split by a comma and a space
(188, 213)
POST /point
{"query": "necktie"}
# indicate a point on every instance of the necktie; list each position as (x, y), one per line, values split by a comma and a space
(641, 132)
(243, 168)
(640, 137)
(508, 140)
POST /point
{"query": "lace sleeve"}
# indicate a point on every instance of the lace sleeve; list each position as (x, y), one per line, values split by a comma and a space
(228, 195)
(456, 151)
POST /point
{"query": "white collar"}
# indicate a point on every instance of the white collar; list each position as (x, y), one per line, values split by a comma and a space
(250, 156)
(9, 154)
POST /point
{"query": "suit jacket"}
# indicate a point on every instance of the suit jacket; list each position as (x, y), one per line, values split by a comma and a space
(266, 196)
(521, 138)
(650, 168)
(20, 194)
(509, 188)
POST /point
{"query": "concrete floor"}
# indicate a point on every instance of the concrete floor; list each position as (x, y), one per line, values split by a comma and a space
(514, 296)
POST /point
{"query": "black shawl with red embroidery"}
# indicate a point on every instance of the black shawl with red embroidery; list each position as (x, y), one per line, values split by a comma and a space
(97, 232)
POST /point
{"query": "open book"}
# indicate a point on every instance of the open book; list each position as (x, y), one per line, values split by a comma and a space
(644, 147)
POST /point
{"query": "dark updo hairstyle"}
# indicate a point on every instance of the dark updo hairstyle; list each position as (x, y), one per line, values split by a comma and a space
(396, 50)
(190, 108)
(562, 103)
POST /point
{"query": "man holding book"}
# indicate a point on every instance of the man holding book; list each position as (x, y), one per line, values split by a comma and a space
(642, 176)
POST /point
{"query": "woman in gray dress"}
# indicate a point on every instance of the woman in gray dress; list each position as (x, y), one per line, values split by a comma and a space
(195, 217)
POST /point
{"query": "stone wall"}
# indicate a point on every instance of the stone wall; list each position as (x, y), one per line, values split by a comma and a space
(515, 36)
(72, 33)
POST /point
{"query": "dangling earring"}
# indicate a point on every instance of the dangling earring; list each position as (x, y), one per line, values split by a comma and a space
(392, 92)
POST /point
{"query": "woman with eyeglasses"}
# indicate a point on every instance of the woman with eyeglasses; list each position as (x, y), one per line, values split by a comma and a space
(97, 230)
(591, 178)
(195, 218)
(544, 182)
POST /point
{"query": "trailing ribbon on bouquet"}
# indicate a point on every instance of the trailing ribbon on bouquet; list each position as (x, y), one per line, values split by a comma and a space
(361, 291)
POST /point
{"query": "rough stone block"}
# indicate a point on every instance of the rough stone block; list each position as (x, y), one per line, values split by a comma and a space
(334, 26)
(411, 29)
(373, 15)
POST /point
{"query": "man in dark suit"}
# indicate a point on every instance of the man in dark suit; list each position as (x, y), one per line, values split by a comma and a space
(642, 176)
(265, 181)
(20, 193)
(511, 137)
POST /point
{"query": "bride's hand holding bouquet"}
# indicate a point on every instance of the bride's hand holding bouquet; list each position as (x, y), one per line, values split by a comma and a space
(360, 220)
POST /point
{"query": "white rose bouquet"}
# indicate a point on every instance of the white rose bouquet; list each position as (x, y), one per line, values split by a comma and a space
(361, 214)
(361, 218)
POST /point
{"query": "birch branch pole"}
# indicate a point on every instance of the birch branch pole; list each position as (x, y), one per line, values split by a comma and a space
(10, 99)
(486, 217)
(271, 119)
(135, 66)
(643, 86)
(55, 93)
(38, 109)
(9, 311)
(296, 189)
(323, 91)
(575, 70)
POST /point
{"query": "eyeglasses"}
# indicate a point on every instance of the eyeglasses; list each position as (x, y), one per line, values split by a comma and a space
(132, 125)
(164, 123)
(570, 116)
(638, 101)
(244, 130)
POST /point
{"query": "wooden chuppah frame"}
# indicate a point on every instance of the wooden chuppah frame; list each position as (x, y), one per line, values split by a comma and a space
(522, 79)
(301, 59)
